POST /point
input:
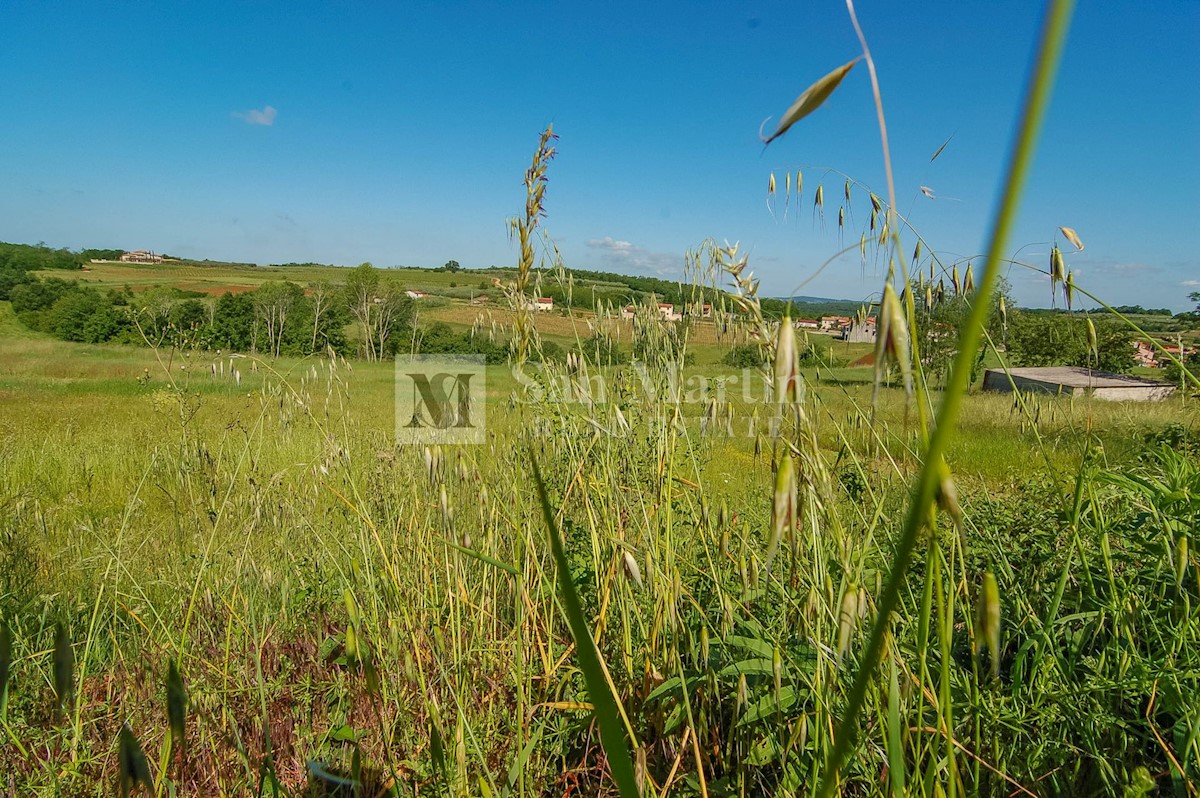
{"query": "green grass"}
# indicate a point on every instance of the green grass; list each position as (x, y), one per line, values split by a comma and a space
(237, 582)
(131, 521)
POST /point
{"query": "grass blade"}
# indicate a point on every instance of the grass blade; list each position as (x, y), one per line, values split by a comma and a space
(64, 668)
(1053, 38)
(611, 736)
(5, 665)
(176, 706)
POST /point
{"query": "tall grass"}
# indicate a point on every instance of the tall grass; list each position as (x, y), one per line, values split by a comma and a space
(213, 584)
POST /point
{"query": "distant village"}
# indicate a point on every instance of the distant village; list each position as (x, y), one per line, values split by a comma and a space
(860, 329)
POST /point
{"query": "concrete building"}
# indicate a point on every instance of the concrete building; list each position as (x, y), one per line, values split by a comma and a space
(860, 332)
(1072, 381)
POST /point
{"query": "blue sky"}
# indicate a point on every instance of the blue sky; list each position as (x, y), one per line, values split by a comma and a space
(398, 133)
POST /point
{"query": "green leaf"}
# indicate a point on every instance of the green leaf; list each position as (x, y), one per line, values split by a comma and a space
(765, 751)
(492, 561)
(671, 686)
(438, 751)
(750, 667)
(760, 647)
(811, 99)
(345, 734)
(767, 705)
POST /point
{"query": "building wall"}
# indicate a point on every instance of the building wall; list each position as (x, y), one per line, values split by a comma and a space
(1134, 393)
(995, 380)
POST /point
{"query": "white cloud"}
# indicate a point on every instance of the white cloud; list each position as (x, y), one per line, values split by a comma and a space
(627, 255)
(1190, 283)
(265, 117)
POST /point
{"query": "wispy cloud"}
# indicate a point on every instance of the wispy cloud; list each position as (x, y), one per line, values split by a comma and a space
(1124, 268)
(265, 117)
(627, 255)
(1190, 283)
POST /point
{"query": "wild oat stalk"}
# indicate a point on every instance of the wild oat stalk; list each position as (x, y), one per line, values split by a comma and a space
(1050, 47)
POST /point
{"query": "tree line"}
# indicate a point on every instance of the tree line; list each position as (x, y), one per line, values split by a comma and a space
(277, 318)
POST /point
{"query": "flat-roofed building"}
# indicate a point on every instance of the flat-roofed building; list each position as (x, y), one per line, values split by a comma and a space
(1073, 381)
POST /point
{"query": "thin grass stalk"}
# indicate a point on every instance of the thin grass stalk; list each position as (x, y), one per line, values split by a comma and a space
(1050, 47)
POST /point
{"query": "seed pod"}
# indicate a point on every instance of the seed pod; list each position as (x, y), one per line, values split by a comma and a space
(969, 280)
(947, 496)
(928, 296)
(743, 694)
(841, 217)
(1181, 559)
(631, 568)
(444, 503)
(351, 606)
(771, 194)
(783, 511)
(862, 246)
(917, 253)
(799, 185)
(847, 619)
(1069, 289)
(819, 201)
(1093, 344)
(1003, 313)
(1057, 269)
(989, 618)
(1072, 236)
(955, 281)
(786, 374)
(876, 205)
(847, 191)
(704, 646)
(892, 339)
(777, 670)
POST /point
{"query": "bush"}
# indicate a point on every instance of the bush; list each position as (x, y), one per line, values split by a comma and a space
(745, 356)
(602, 350)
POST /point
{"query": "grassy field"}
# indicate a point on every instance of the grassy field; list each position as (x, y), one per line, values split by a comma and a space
(341, 608)
(217, 278)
